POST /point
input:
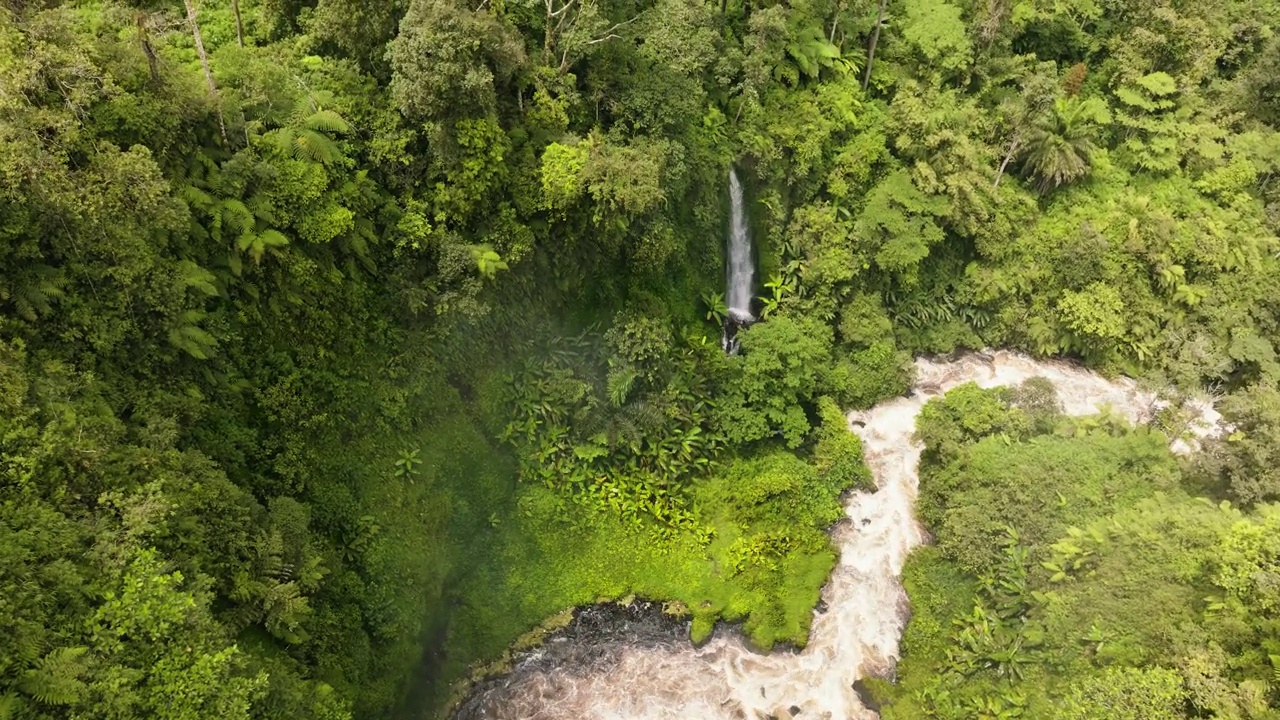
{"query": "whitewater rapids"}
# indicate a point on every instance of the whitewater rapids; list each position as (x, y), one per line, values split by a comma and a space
(866, 609)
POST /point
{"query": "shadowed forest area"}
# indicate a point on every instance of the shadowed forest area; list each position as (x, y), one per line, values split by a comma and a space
(344, 342)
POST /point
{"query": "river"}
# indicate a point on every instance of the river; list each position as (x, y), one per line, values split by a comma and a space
(643, 668)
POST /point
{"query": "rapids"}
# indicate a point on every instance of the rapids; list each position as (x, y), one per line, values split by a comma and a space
(863, 611)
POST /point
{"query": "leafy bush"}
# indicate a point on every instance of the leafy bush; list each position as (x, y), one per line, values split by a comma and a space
(837, 453)
(776, 375)
(870, 375)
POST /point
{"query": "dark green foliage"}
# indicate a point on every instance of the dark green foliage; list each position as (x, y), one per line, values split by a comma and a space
(447, 62)
(770, 382)
(1243, 463)
(870, 375)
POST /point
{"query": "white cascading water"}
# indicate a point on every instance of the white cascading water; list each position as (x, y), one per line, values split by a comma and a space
(741, 276)
(866, 608)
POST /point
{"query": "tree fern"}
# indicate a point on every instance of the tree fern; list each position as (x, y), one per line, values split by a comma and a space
(1060, 145)
(620, 382)
(326, 121)
(235, 216)
(197, 198)
(192, 276)
(189, 337)
(34, 292)
(259, 243)
(308, 137)
(286, 609)
(812, 53)
(55, 680)
(262, 207)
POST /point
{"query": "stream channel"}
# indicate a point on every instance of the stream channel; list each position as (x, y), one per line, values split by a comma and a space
(632, 662)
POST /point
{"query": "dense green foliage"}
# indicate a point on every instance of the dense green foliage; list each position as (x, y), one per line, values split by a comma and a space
(343, 341)
(1103, 589)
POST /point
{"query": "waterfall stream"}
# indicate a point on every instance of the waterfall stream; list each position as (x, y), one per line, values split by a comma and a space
(741, 270)
(864, 608)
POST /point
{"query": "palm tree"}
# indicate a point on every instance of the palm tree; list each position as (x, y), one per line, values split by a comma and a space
(1060, 144)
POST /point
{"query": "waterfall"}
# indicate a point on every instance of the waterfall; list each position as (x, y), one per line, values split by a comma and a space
(741, 269)
(857, 627)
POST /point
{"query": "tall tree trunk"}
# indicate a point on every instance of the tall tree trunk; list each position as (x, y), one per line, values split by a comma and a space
(997, 11)
(1013, 149)
(871, 49)
(144, 38)
(235, 10)
(204, 63)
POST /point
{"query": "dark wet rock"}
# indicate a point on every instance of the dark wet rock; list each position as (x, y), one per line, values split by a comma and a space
(925, 389)
(866, 696)
(794, 710)
(594, 638)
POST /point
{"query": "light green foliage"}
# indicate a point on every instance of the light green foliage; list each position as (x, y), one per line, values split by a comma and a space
(870, 375)
(1248, 555)
(1097, 312)
(794, 131)
(626, 179)
(562, 179)
(1161, 252)
(864, 322)
(1125, 694)
(837, 453)
(936, 30)
(898, 226)
(169, 667)
(966, 414)
(1151, 128)
(939, 136)
(821, 265)
(478, 170)
(812, 53)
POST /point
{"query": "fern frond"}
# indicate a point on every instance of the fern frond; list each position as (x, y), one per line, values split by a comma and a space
(327, 121)
(56, 678)
(312, 145)
(194, 341)
(33, 296)
(10, 706)
(262, 207)
(273, 238)
(191, 275)
(197, 198)
(236, 217)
